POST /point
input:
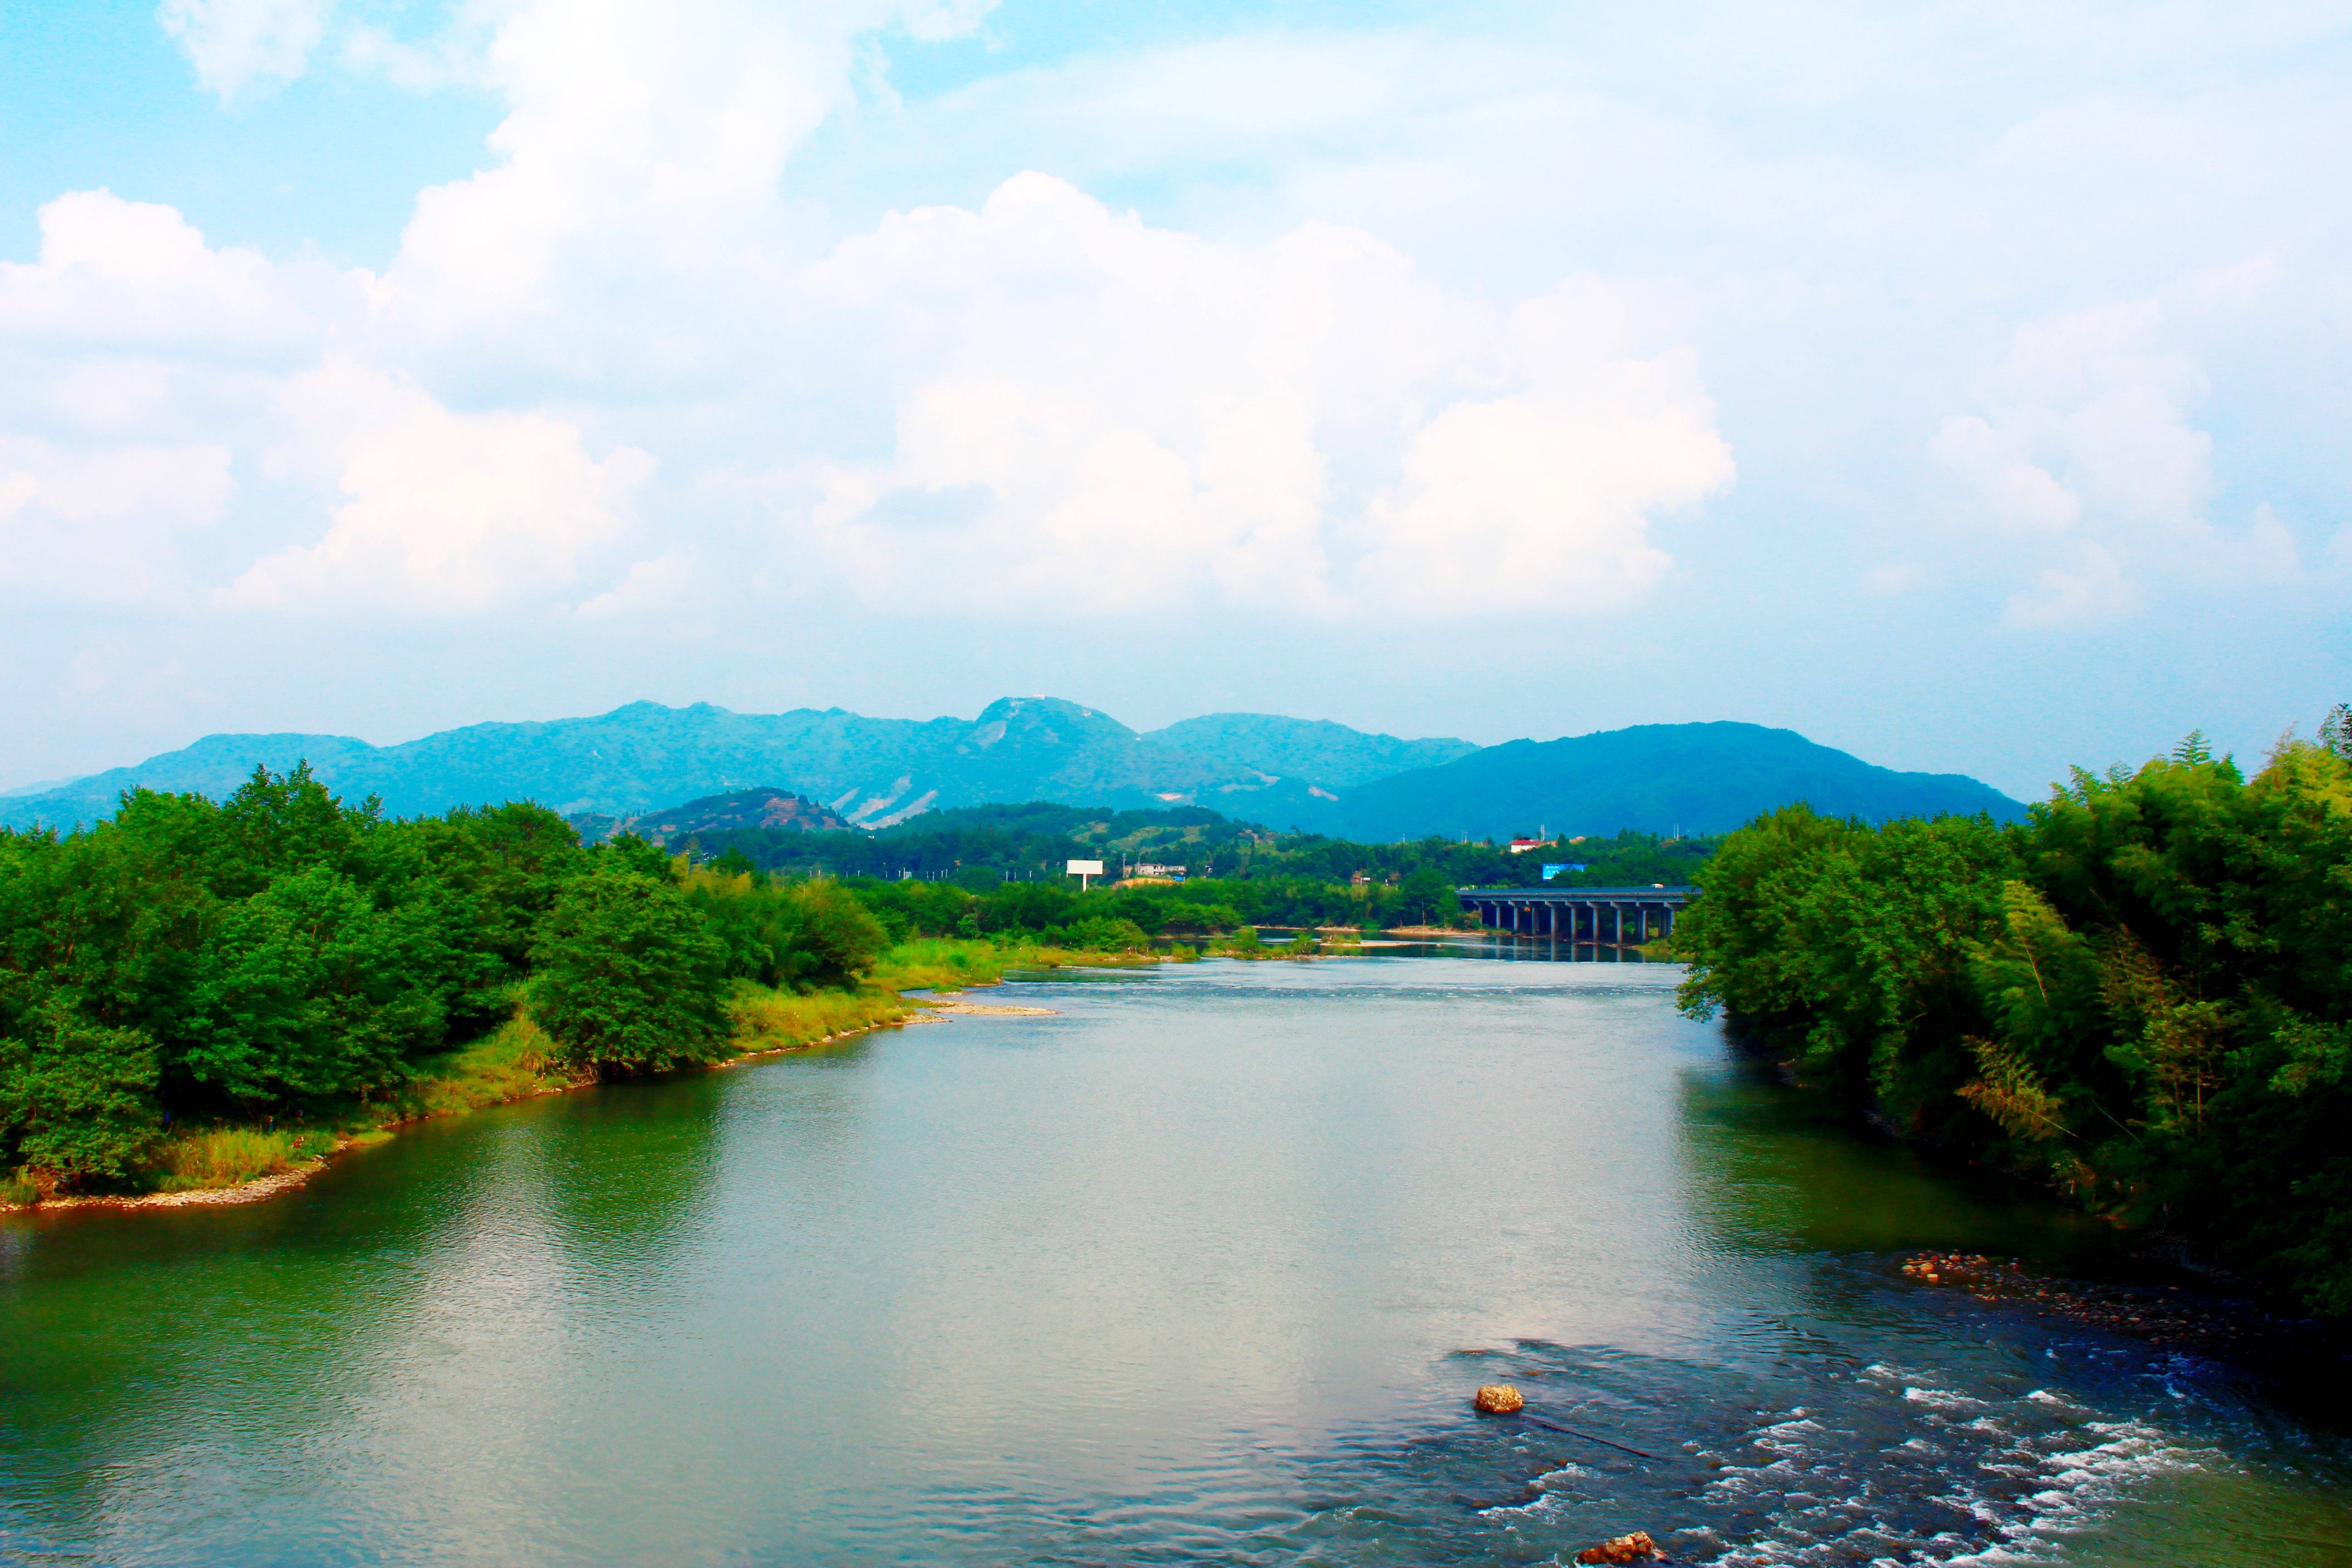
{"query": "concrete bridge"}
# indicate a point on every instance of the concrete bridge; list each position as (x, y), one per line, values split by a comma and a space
(1618, 915)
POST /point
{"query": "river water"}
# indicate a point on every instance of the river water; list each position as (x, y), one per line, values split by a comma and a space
(1203, 1268)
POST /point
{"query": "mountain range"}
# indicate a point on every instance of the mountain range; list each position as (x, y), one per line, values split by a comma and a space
(873, 773)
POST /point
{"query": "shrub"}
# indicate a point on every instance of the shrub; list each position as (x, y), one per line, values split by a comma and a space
(1096, 934)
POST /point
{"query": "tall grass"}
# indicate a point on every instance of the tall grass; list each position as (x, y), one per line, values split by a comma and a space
(513, 1061)
(951, 963)
(942, 963)
(224, 1156)
(765, 1020)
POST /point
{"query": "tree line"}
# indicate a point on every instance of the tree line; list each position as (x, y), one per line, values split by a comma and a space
(979, 847)
(283, 956)
(280, 953)
(2141, 994)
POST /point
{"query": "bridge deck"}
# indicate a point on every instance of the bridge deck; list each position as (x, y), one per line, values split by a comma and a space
(1680, 895)
(1579, 914)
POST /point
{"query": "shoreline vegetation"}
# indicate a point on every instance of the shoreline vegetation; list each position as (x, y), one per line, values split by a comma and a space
(2139, 999)
(518, 1061)
(205, 999)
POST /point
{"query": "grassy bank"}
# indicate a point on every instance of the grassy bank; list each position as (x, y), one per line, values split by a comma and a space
(518, 1060)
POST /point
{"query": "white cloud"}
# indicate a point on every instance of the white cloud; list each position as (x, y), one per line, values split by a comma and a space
(117, 273)
(1534, 500)
(2089, 442)
(233, 43)
(2090, 588)
(1046, 401)
(638, 179)
(444, 511)
(99, 525)
(1998, 478)
(664, 583)
(1093, 411)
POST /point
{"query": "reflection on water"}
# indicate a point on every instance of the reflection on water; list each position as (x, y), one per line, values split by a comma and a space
(1774, 1169)
(1203, 1267)
(1510, 947)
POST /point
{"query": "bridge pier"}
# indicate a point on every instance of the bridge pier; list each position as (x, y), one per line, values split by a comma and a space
(1602, 916)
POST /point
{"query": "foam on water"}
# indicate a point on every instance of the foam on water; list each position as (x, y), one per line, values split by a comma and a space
(1811, 1458)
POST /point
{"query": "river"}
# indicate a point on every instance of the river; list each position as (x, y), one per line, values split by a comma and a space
(1205, 1266)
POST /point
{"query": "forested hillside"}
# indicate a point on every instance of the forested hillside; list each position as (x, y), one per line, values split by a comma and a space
(1316, 750)
(768, 809)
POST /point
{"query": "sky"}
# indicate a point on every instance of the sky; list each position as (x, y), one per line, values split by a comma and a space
(1966, 386)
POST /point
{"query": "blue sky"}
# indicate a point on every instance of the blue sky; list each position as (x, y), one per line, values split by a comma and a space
(1966, 386)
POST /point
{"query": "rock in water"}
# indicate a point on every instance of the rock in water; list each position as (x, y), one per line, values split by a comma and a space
(1500, 1399)
(1635, 1548)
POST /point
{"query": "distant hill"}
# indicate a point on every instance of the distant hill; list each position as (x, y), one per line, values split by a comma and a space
(872, 773)
(1656, 778)
(1315, 750)
(215, 766)
(769, 809)
(643, 757)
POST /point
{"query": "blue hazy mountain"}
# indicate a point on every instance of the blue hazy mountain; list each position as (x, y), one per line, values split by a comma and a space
(872, 773)
(1315, 750)
(645, 757)
(1657, 778)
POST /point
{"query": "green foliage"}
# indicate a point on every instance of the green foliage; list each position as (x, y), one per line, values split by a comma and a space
(792, 936)
(1099, 933)
(2144, 993)
(282, 955)
(1846, 948)
(1426, 897)
(2335, 730)
(990, 851)
(77, 1100)
(308, 990)
(627, 973)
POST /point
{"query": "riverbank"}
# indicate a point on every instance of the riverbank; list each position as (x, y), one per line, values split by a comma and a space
(518, 1060)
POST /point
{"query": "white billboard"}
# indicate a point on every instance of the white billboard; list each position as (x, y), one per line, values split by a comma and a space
(1085, 868)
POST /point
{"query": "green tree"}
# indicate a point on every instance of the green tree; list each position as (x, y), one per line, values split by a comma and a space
(78, 1100)
(838, 937)
(307, 991)
(1847, 949)
(1426, 897)
(628, 973)
(2335, 730)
